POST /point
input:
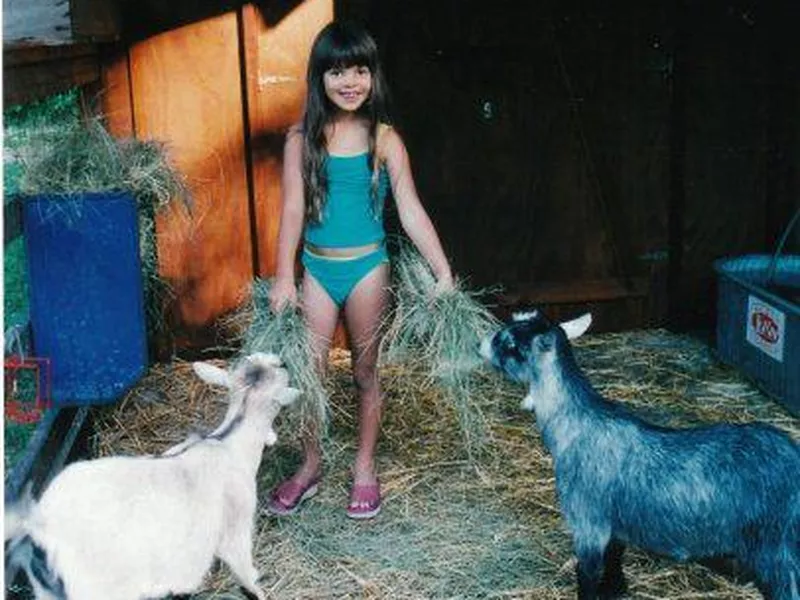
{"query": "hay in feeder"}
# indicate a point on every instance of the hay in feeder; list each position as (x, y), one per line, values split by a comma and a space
(450, 527)
(261, 329)
(86, 158)
(438, 333)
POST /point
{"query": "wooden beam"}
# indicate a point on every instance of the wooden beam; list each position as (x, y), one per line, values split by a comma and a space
(33, 72)
(114, 91)
(96, 20)
(597, 290)
(26, 53)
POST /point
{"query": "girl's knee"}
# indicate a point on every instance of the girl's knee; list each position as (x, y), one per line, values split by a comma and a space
(366, 379)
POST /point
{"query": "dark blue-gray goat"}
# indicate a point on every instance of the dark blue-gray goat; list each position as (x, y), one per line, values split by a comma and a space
(712, 491)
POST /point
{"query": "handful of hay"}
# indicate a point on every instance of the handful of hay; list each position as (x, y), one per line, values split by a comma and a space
(439, 333)
(285, 333)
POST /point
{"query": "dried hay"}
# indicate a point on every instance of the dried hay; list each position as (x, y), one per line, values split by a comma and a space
(258, 328)
(437, 334)
(451, 528)
(87, 158)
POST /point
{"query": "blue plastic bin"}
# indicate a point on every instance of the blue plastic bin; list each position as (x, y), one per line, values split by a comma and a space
(758, 322)
(86, 294)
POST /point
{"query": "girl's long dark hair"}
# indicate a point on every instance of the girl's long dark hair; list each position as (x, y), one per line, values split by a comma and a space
(340, 44)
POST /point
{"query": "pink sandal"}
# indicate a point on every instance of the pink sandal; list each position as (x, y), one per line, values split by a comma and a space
(291, 489)
(365, 501)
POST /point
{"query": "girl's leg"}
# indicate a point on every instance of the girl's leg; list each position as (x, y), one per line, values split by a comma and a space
(321, 314)
(364, 312)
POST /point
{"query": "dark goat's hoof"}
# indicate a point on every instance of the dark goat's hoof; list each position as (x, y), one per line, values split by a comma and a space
(610, 590)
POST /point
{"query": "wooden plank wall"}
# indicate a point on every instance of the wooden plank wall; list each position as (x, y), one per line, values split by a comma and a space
(742, 78)
(220, 91)
(189, 93)
(30, 73)
(275, 63)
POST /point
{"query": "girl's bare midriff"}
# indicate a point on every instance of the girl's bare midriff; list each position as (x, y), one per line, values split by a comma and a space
(350, 252)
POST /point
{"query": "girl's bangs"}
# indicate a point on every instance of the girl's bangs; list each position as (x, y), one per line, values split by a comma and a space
(353, 55)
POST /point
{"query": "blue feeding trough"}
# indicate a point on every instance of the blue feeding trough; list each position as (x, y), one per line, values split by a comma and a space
(758, 319)
(86, 294)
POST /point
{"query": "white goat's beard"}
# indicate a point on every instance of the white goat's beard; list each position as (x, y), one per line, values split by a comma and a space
(271, 437)
(527, 402)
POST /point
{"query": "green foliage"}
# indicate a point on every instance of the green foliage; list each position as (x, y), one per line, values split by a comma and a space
(16, 436)
(52, 115)
(58, 108)
(15, 284)
(24, 124)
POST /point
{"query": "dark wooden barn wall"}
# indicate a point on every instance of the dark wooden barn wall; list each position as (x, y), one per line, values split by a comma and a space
(742, 140)
(597, 155)
(579, 156)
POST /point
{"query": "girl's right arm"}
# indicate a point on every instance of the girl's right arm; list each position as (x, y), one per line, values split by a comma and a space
(284, 289)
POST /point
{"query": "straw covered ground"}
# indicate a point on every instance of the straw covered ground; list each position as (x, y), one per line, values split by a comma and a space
(454, 524)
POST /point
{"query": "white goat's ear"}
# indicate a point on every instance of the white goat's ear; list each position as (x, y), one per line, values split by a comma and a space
(288, 395)
(212, 374)
(577, 327)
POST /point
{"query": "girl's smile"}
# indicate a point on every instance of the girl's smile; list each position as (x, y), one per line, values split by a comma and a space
(348, 87)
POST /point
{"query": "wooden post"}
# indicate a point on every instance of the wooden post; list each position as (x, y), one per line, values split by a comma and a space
(677, 164)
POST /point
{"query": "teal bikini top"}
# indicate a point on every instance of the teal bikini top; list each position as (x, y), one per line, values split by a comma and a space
(349, 217)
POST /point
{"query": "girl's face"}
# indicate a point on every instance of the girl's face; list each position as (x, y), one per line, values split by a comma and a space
(348, 87)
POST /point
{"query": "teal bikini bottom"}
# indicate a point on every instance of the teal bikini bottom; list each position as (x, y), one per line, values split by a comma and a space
(338, 276)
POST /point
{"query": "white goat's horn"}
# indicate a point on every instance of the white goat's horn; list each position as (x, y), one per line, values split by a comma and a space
(525, 316)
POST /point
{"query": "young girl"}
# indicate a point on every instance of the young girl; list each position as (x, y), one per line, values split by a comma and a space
(338, 164)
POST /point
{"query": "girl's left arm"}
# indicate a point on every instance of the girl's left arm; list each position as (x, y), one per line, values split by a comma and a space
(413, 216)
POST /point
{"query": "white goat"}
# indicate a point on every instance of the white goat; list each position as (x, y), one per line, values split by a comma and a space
(128, 528)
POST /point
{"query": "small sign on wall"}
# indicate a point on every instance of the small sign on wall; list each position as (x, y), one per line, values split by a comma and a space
(766, 326)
